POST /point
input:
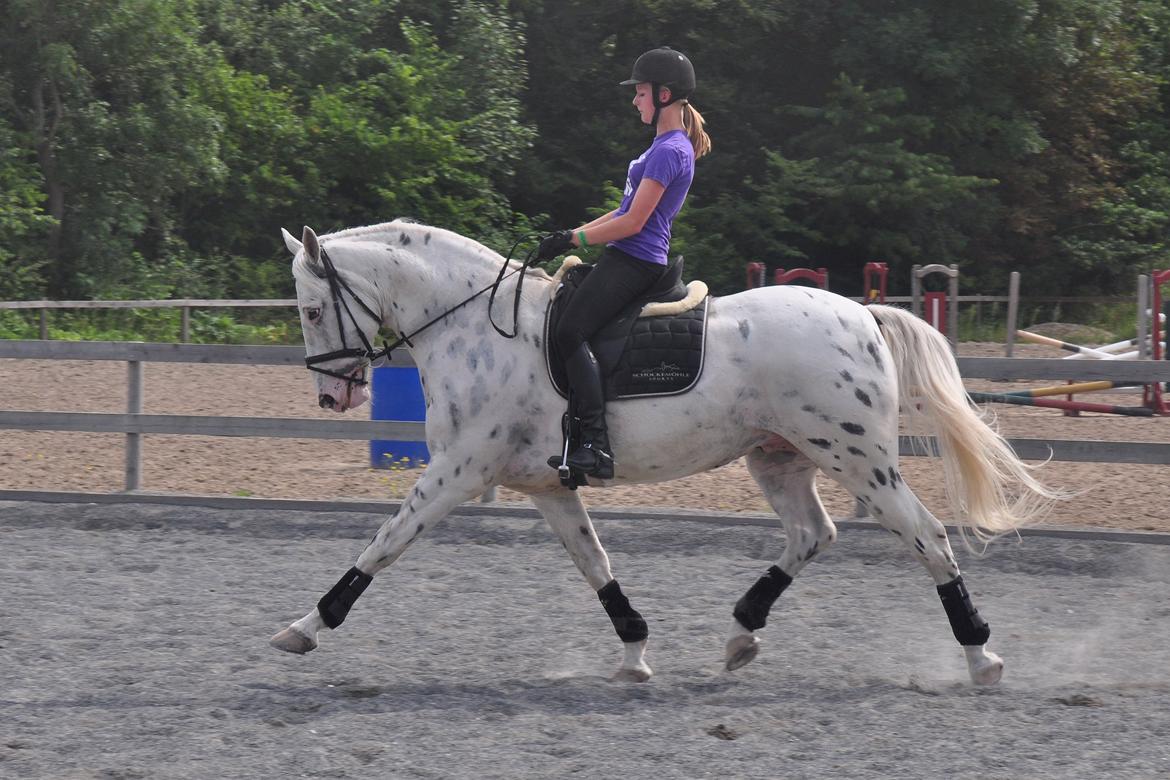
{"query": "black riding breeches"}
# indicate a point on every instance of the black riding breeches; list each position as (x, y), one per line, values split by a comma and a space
(615, 281)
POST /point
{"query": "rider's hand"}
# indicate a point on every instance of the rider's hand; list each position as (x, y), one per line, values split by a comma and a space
(554, 245)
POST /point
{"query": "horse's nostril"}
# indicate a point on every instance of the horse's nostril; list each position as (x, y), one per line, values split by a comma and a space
(325, 401)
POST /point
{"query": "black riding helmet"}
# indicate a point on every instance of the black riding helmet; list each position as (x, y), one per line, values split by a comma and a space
(664, 67)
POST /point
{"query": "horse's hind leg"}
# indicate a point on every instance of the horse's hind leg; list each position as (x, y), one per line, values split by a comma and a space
(563, 511)
(896, 507)
(787, 479)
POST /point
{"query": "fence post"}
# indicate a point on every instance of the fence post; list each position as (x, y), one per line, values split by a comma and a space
(185, 324)
(1013, 311)
(915, 292)
(1143, 304)
(133, 440)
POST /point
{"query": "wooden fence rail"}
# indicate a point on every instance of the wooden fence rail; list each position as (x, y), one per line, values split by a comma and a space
(135, 424)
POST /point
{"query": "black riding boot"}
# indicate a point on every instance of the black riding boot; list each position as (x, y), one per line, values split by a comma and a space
(594, 456)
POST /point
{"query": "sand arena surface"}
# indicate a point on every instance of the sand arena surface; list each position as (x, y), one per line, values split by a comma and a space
(1117, 495)
(135, 646)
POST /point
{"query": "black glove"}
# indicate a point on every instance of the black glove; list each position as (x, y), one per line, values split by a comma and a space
(554, 245)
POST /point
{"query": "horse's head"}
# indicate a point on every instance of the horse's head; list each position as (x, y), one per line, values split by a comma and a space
(339, 323)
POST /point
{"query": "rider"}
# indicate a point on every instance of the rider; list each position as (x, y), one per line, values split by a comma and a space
(636, 237)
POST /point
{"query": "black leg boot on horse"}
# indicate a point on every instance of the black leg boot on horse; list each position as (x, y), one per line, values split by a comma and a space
(594, 457)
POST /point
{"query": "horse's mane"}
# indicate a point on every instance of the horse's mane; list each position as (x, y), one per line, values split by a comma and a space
(454, 240)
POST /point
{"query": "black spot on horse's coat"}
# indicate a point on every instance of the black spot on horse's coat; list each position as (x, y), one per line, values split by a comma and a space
(495, 432)
(744, 329)
(895, 477)
(458, 469)
(824, 444)
(844, 352)
(882, 450)
(854, 428)
(871, 348)
(427, 238)
(846, 375)
(918, 543)
(404, 239)
(855, 451)
(879, 476)
(440, 482)
(839, 471)
(422, 495)
(895, 531)
(584, 531)
(808, 408)
(862, 396)
(871, 485)
(456, 417)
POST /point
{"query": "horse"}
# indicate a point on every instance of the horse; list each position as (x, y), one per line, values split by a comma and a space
(797, 380)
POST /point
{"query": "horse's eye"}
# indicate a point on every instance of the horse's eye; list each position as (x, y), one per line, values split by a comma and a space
(312, 314)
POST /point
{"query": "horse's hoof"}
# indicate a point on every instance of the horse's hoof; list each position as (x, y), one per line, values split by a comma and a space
(292, 641)
(741, 651)
(986, 668)
(636, 675)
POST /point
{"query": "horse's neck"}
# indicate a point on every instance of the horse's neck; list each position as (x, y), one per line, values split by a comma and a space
(419, 277)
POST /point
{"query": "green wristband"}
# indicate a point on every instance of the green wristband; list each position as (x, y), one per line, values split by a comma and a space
(581, 238)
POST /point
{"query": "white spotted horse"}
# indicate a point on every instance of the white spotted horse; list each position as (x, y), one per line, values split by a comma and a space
(796, 379)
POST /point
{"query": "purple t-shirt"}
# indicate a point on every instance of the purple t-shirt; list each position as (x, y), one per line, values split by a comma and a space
(670, 161)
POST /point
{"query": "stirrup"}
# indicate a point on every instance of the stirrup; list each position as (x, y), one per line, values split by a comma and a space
(602, 465)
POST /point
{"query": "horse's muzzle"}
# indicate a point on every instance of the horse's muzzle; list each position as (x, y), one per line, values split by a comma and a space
(325, 401)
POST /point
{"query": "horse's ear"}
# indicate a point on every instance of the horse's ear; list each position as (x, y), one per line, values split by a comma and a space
(293, 245)
(312, 246)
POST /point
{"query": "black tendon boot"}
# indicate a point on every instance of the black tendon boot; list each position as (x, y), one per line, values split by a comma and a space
(594, 456)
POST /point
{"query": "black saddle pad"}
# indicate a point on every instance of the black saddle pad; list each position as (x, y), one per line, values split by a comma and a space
(639, 356)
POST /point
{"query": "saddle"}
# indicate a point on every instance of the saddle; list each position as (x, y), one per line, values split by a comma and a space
(655, 346)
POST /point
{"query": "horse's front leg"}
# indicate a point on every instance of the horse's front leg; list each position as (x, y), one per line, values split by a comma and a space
(441, 488)
(563, 511)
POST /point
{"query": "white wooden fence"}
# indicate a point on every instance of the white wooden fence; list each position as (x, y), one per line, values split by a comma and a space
(134, 424)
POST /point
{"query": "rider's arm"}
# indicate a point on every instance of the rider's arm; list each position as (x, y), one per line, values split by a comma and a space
(645, 200)
(599, 221)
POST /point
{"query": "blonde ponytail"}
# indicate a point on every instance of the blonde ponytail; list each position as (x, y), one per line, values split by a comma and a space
(693, 124)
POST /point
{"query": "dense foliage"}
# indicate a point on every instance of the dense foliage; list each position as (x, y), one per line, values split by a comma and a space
(153, 148)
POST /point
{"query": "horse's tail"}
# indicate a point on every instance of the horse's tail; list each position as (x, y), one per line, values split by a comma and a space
(990, 489)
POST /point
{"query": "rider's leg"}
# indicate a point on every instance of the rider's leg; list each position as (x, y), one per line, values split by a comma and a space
(616, 281)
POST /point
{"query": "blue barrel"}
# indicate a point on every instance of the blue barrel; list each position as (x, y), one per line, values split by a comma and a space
(396, 394)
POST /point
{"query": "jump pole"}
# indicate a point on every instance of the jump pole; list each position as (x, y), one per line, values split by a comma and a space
(1036, 338)
(1075, 387)
(1052, 403)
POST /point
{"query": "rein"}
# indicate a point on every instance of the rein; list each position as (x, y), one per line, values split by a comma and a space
(366, 352)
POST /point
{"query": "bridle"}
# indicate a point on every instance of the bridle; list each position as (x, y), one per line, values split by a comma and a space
(366, 353)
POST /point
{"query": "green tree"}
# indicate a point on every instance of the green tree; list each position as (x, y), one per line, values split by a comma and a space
(103, 91)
